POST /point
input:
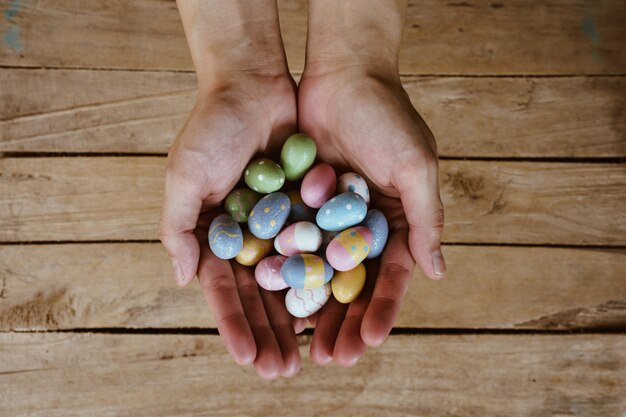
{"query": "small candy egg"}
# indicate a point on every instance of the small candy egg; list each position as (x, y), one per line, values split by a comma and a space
(354, 183)
(376, 222)
(306, 271)
(347, 285)
(299, 210)
(301, 237)
(264, 176)
(304, 302)
(341, 212)
(269, 215)
(267, 273)
(254, 249)
(239, 203)
(318, 185)
(349, 248)
(297, 155)
(225, 237)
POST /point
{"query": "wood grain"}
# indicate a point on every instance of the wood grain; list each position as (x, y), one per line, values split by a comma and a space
(465, 37)
(183, 375)
(141, 112)
(119, 198)
(130, 285)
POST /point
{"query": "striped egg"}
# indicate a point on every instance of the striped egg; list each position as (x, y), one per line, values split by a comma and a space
(318, 185)
(349, 248)
(239, 203)
(306, 271)
(304, 302)
(299, 210)
(341, 212)
(376, 222)
(347, 285)
(225, 237)
(253, 250)
(301, 237)
(269, 215)
(354, 183)
(267, 273)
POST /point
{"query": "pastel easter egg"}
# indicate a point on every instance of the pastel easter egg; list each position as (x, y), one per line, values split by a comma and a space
(304, 302)
(239, 203)
(347, 285)
(301, 237)
(297, 155)
(299, 210)
(318, 185)
(264, 176)
(354, 183)
(376, 222)
(341, 212)
(225, 237)
(267, 273)
(269, 215)
(306, 271)
(253, 250)
(349, 248)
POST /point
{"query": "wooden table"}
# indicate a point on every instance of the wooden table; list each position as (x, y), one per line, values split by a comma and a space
(527, 99)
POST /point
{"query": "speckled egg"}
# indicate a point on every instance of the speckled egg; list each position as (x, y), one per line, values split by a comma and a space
(304, 302)
(341, 212)
(267, 273)
(299, 210)
(225, 237)
(253, 250)
(354, 183)
(239, 203)
(306, 271)
(301, 237)
(264, 176)
(376, 222)
(349, 248)
(297, 155)
(318, 185)
(347, 285)
(269, 215)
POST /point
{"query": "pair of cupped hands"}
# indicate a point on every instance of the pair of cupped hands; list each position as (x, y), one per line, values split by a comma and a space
(362, 123)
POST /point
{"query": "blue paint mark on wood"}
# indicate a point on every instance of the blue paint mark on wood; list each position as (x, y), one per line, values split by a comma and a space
(14, 7)
(11, 35)
(589, 29)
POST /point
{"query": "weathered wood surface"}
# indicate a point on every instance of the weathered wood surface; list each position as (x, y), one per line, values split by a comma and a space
(183, 375)
(469, 37)
(67, 286)
(141, 112)
(119, 198)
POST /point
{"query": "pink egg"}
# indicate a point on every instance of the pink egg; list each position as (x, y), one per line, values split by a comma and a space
(318, 185)
(349, 248)
(301, 237)
(267, 273)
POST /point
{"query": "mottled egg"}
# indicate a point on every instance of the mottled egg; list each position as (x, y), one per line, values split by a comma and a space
(354, 183)
(301, 237)
(264, 176)
(225, 237)
(267, 273)
(297, 155)
(239, 203)
(253, 250)
(269, 215)
(304, 302)
(347, 285)
(376, 222)
(318, 185)
(299, 210)
(341, 212)
(306, 271)
(349, 248)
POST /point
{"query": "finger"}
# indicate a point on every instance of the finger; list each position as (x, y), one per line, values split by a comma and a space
(327, 327)
(299, 324)
(396, 267)
(312, 319)
(268, 362)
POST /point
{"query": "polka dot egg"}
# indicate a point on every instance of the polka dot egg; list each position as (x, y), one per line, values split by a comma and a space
(269, 215)
(354, 183)
(264, 176)
(349, 248)
(341, 212)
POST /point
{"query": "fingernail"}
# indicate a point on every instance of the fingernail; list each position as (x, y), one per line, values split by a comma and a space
(178, 272)
(439, 264)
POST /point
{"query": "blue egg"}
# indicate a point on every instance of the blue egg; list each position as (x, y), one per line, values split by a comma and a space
(306, 271)
(377, 223)
(269, 215)
(225, 237)
(341, 212)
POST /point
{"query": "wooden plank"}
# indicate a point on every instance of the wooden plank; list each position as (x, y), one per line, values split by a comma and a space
(468, 37)
(131, 111)
(119, 198)
(423, 375)
(47, 287)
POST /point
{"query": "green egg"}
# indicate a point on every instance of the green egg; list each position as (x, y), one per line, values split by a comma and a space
(264, 176)
(297, 156)
(239, 203)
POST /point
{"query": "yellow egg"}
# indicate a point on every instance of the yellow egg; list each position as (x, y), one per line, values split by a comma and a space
(254, 249)
(347, 285)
